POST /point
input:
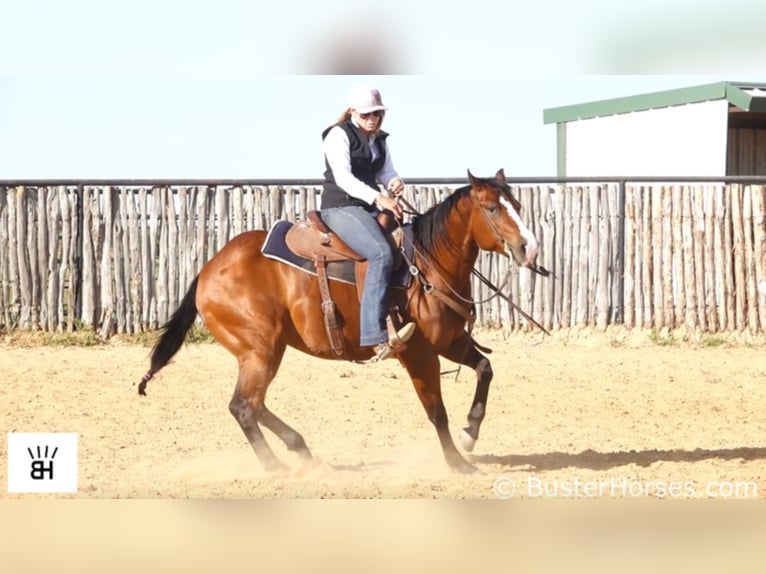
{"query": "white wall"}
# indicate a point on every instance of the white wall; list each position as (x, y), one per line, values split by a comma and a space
(676, 141)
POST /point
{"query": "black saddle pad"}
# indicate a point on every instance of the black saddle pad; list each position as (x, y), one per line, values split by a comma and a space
(275, 248)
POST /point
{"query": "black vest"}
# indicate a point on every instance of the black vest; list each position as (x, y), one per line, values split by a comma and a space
(362, 167)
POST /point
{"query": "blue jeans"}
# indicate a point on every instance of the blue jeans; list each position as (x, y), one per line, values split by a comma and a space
(359, 229)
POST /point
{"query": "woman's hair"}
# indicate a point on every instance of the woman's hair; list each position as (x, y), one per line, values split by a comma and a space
(343, 116)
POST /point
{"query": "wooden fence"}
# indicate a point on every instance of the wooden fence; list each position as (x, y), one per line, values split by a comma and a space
(118, 259)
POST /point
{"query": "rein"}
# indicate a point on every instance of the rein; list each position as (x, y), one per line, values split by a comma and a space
(430, 289)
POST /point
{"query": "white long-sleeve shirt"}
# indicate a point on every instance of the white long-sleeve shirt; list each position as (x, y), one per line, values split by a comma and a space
(337, 151)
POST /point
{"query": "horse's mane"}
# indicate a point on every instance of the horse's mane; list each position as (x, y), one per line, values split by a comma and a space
(429, 229)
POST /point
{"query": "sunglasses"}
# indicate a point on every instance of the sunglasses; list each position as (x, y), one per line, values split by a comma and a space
(376, 113)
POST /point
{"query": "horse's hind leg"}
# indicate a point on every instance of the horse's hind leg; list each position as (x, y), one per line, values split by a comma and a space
(292, 438)
(249, 409)
(245, 414)
(464, 352)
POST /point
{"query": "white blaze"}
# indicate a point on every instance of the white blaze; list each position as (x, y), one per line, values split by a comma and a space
(532, 245)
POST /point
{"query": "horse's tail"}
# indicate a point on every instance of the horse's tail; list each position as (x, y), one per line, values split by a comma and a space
(173, 335)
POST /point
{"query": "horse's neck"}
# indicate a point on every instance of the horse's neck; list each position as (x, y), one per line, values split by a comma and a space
(455, 260)
(464, 257)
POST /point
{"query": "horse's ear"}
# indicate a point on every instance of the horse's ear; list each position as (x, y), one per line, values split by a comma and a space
(471, 177)
(500, 175)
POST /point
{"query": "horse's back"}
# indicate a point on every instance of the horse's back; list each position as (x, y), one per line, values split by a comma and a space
(246, 244)
(240, 266)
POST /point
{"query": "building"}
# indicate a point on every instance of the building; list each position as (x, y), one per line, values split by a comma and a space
(708, 130)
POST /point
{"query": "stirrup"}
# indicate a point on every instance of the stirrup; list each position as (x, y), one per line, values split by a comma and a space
(383, 351)
(398, 337)
(395, 344)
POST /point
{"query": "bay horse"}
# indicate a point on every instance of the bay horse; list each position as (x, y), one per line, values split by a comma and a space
(255, 307)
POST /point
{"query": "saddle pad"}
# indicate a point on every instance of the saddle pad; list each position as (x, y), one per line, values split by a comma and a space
(275, 248)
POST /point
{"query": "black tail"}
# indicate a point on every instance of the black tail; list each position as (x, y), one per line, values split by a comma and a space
(173, 335)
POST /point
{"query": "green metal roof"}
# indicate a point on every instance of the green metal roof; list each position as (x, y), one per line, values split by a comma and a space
(747, 97)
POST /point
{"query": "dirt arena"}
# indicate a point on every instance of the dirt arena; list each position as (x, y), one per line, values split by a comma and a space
(581, 414)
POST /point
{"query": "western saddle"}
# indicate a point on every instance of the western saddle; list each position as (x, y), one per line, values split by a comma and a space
(312, 239)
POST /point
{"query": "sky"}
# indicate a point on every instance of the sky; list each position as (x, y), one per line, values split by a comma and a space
(243, 89)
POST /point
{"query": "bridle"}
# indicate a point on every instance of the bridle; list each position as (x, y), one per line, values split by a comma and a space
(429, 288)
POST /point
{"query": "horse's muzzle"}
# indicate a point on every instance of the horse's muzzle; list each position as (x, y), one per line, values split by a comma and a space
(525, 253)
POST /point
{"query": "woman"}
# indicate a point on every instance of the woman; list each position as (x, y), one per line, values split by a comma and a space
(357, 160)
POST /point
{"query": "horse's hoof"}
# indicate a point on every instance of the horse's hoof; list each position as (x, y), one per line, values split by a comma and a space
(471, 469)
(466, 441)
(276, 469)
(465, 467)
(311, 467)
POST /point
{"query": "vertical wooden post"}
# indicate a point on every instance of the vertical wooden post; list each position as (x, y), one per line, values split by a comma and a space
(571, 252)
(738, 252)
(175, 288)
(748, 278)
(4, 306)
(547, 218)
(651, 278)
(120, 262)
(616, 250)
(53, 223)
(687, 272)
(758, 195)
(22, 259)
(185, 236)
(72, 198)
(88, 257)
(678, 294)
(583, 296)
(711, 271)
(604, 278)
(238, 219)
(107, 317)
(154, 227)
(33, 257)
(698, 230)
(594, 253)
(632, 314)
(222, 217)
(665, 240)
(133, 268)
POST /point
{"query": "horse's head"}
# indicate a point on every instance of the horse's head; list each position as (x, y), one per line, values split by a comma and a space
(498, 226)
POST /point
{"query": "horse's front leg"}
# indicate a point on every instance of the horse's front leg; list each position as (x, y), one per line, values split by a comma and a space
(464, 352)
(423, 367)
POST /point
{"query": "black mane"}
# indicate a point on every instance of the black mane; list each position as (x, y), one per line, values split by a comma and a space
(429, 228)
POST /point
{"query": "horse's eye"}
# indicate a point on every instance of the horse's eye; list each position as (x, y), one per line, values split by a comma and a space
(492, 209)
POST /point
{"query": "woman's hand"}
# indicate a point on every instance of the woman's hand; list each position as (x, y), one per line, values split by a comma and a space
(396, 186)
(384, 202)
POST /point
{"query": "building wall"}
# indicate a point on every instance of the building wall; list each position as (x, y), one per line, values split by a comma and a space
(747, 151)
(674, 141)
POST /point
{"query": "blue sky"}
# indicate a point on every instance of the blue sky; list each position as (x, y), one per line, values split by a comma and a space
(235, 88)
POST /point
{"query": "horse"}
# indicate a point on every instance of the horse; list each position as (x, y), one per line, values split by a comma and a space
(256, 307)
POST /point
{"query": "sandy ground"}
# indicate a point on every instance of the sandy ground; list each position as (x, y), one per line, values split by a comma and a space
(581, 414)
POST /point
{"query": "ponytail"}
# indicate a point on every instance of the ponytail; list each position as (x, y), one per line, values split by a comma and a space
(343, 117)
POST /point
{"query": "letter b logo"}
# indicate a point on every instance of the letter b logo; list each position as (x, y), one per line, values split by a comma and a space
(40, 469)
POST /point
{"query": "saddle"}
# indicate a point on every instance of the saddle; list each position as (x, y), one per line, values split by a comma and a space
(313, 240)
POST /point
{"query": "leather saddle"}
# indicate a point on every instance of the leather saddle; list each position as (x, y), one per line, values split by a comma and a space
(313, 240)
